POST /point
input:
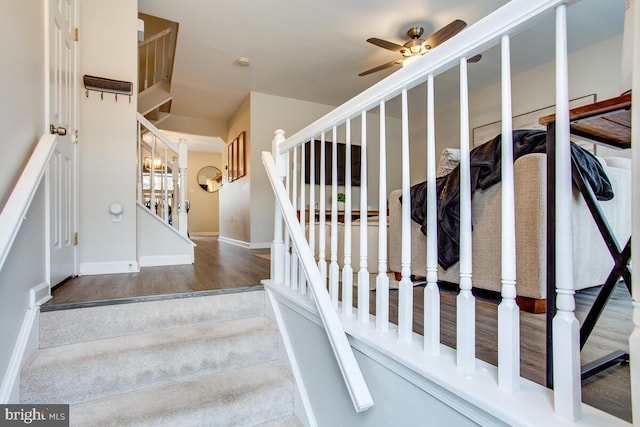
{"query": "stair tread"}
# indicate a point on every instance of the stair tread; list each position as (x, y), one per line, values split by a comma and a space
(246, 396)
(155, 338)
(96, 369)
(90, 323)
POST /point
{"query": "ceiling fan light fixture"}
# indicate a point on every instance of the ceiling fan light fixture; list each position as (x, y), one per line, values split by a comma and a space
(416, 49)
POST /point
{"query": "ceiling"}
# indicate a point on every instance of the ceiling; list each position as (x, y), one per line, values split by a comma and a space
(314, 50)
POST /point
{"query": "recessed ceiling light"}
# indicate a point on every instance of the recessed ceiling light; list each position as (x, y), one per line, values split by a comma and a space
(243, 61)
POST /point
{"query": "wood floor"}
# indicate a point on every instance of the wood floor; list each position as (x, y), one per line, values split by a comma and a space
(220, 266)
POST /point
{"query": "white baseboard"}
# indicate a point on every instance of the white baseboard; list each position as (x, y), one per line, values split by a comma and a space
(247, 245)
(240, 243)
(204, 234)
(263, 245)
(89, 268)
(10, 388)
(165, 260)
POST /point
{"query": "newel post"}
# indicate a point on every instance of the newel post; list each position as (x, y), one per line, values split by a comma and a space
(183, 221)
(277, 247)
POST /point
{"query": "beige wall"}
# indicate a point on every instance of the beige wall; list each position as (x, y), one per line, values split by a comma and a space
(204, 214)
(108, 48)
(22, 117)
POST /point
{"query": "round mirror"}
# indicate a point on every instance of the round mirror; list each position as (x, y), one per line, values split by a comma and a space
(210, 178)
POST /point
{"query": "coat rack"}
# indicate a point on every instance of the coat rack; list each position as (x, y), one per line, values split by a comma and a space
(102, 85)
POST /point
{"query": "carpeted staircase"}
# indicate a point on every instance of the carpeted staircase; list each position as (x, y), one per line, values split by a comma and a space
(210, 360)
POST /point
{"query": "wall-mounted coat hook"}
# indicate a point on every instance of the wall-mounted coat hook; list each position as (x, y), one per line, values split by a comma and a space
(102, 85)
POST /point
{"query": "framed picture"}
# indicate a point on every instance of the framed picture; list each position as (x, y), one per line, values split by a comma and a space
(241, 159)
(485, 133)
(236, 163)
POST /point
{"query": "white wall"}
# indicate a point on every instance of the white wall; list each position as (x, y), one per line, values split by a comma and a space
(235, 197)
(595, 69)
(204, 214)
(22, 86)
(268, 113)
(22, 119)
(108, 48)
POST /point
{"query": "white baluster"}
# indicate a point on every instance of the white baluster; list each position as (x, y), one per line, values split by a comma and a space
(302, 279)
(312, 198)
(183, 164)
(347, 270)
(334, 273)
(405, 295)
(382, 279)
(287, 237)
(165, 187)
(363, 273)
(140, 165)
(152, 175)
(322, 241)
(175, 177)
(466, 305)
(508, 311)
(634, 340)
(566, 335)
(277, 247)
(294, 198)
(431, 291)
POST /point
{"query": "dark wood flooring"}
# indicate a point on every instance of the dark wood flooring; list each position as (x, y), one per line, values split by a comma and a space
(220, 266)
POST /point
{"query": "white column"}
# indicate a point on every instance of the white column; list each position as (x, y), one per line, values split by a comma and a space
(431, 291)
(405, 293)
(634, 339)
(347, 270)
(140, 164)
(277, 247)
(363, 273)
(508, 311)
(566, 333)
(382, 279)
(466, 304)
(334, 273)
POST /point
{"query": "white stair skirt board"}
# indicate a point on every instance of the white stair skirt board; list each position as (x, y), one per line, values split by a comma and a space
(187, 361)
(26, 342)
(89, 268)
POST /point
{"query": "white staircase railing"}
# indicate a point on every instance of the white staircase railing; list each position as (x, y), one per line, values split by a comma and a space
(356, 385)
(162, 169)
(155, 56)
(496, 29)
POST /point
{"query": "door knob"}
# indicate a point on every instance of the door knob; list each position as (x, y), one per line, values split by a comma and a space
(58, 130)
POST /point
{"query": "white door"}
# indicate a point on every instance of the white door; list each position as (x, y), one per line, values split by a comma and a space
(63, 121)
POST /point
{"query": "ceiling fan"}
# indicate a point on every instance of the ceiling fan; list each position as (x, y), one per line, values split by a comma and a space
(417, 46)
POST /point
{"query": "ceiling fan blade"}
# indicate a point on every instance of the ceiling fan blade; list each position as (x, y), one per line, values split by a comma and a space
(445, 33)
(381, 67)
(474, 59)
(386, 45)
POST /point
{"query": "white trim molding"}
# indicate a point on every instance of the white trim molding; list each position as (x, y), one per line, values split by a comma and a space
(165, 260)
(89, 268)
(9, 390)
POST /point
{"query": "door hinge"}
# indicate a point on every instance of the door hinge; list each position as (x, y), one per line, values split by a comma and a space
(75, 34)
(74, 138)
(75, 238)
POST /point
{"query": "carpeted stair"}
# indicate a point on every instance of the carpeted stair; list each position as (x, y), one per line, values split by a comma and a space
(200, 361)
